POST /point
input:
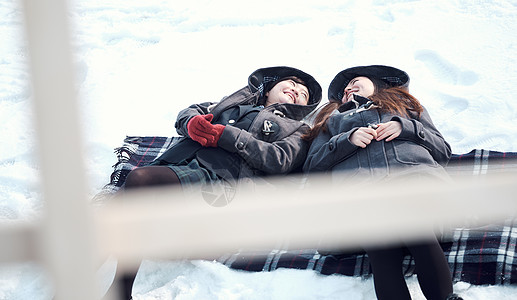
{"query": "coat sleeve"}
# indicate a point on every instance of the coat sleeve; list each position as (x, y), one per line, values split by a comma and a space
(185, 115)
(278, 157)
(423, 132)
(328, 149)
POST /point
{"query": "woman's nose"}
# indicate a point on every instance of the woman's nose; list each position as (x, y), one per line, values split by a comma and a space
(296, 91)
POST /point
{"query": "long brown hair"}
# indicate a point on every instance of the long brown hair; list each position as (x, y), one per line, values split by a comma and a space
(396, 100)
(320, 122)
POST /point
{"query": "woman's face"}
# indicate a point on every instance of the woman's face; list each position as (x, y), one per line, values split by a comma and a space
(288, 91)
(361, 86)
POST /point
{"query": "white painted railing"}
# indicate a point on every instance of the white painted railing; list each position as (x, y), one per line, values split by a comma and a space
(65, 237)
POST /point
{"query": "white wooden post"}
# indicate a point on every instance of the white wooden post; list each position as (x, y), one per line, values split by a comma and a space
(66, 237)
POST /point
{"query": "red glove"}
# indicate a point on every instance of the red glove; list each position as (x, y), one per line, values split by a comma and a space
(218, 131)
(202, 131)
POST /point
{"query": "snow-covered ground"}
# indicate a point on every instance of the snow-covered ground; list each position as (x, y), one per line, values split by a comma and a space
(140, 62)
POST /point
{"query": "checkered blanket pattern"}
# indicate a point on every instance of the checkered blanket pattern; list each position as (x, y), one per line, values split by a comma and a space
(484, 255)
(136, 151)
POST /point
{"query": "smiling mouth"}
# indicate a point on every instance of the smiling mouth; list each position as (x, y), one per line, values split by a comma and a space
(350, 94)
(290, 95)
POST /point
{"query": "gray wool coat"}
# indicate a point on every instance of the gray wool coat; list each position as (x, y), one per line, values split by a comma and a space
(420, 148)
(268, 143)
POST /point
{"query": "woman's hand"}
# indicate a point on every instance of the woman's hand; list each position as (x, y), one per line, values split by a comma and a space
(363, 136)
(202, 131)
(388, 131)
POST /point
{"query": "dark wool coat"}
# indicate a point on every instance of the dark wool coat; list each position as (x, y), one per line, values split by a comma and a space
(420, 148)
(257, 141)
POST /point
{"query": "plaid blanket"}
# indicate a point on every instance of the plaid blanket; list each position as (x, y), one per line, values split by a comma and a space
(484, 255)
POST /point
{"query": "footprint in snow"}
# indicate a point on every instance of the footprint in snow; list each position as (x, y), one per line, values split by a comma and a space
(445, 70)
(454, 104)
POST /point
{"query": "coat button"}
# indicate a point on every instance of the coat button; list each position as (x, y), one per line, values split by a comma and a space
(231, 121)
(421, 134)
(240, 145)
(331, 146)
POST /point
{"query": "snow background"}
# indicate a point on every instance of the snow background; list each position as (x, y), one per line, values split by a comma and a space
(140, 62)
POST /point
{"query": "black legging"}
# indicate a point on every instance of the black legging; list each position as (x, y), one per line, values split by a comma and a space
(150, 176)
(432, 270)
(138, 178)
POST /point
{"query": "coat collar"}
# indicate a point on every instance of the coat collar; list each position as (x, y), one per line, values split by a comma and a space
(246, 96)
(354, 104)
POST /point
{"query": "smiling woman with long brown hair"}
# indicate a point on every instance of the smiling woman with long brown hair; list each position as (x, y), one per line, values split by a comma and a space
(373, 130)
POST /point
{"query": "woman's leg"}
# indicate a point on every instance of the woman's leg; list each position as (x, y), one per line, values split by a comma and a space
(434, 275)
(150, 176)
(388, 278)
(138, 178)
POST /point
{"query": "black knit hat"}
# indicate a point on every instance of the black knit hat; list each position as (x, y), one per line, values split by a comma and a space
(263, 79)
(388, 75)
